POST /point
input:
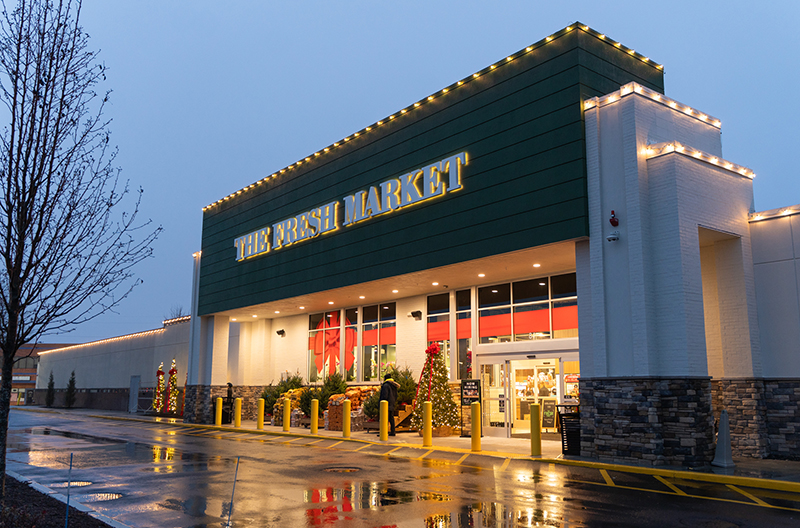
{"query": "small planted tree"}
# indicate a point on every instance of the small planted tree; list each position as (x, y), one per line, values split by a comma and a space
(273, 392)
(50, 396)
(408, 385)
(69, 397)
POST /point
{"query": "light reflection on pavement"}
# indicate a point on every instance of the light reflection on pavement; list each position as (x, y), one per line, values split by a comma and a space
(148, 474)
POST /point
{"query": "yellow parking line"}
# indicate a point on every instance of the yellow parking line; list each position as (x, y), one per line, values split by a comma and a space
(362, 447)
(749, 496)
(460, 460)
(290, 440)
(315, 441)
(334, 445)
(607, 478)
(670, 485)
(506, 462)
(393, 450)
(424, 455)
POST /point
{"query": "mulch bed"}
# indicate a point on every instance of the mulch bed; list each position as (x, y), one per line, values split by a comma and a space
(29, 509)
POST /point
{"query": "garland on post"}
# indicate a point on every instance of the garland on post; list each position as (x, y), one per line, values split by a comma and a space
(158, 397)
(172, 389)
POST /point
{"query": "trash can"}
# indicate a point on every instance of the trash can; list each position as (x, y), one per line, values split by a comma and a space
(227, 411)
(570, 433)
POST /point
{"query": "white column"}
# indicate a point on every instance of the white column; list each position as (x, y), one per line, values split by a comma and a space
(193, 368)
(218, 349)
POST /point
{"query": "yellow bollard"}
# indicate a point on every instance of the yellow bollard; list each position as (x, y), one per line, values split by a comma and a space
(287, 414)
(260, 416)
(476, 427)
(427, 424)
(384, 416)
(237, 412)
(536, 430)
(346, 419)
(314, 416)
(218, 412)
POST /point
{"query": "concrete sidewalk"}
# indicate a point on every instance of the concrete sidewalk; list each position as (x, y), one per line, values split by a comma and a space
(773, 474)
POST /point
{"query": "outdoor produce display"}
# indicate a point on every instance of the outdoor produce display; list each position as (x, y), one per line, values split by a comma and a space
(293, 396)
(357, 396)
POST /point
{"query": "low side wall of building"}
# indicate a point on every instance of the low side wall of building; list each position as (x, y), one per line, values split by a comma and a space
(110, 363)
(106, 399)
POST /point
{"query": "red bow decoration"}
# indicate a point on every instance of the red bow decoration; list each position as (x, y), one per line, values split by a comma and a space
(433, 349)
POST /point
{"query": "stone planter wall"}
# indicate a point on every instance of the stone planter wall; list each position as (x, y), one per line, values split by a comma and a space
(199, 406)
(653, 421)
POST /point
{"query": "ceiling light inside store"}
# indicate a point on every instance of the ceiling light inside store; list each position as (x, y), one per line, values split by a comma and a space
(541, 284)
(494, 291)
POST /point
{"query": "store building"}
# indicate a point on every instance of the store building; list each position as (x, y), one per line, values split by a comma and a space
(557, 223)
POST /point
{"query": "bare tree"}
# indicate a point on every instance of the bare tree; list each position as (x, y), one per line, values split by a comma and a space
(67, 243)
(175, 311)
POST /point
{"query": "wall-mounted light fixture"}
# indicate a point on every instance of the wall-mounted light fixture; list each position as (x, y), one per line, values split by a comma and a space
(416, 314)
(281, 332)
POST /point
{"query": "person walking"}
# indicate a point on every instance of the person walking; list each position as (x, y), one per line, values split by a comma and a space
(389, 393)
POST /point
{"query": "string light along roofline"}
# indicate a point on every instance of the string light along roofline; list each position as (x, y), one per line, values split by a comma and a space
(772, 213)
(636, 88)
(660, 149)
(577, 26)
(168, 322)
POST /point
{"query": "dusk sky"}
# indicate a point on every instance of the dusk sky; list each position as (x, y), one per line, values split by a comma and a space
(209, 97)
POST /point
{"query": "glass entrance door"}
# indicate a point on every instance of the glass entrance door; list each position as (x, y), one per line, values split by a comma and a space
(533, 381)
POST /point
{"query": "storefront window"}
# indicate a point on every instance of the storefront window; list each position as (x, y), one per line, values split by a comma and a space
(378, 341)
(528, 310)
(350, 344)
(323, 345)
(439, 324)
(464, 333)
(494, 319)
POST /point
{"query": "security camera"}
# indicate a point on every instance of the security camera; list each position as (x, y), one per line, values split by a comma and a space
(281, 332)
(417, 315)
(613, 237)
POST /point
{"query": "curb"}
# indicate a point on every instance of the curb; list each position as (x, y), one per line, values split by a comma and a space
(63, 499)
(750, 482)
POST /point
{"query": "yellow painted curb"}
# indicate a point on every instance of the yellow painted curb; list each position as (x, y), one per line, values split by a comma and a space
(750, 482)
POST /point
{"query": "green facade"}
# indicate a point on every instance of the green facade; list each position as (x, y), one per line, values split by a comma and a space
(521, 124)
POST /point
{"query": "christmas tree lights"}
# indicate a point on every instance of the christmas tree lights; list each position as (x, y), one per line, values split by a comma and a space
(434, 387)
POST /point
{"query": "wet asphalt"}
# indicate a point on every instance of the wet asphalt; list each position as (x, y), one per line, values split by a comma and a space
(162, 475)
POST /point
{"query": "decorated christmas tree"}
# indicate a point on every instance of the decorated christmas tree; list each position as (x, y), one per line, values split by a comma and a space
(172, 389)
(433, 386)
(158, 397)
